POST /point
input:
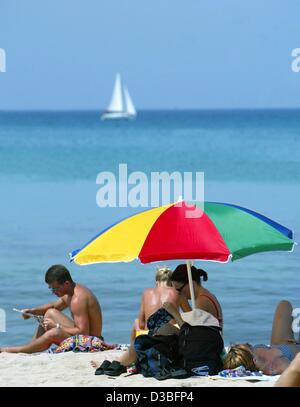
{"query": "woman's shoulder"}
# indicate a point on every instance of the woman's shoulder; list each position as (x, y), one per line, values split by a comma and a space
(148, 291)
(207, 299)
(205, 293)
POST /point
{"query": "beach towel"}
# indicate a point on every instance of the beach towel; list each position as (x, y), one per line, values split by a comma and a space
(83, 343)
(263, 378)
(241, 373)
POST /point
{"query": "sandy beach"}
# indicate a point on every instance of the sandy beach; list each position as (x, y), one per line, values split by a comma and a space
(73, 370)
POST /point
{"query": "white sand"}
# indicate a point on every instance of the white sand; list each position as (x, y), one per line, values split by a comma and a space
(73, 369)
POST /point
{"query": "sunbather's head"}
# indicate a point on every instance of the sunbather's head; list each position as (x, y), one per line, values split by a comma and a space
(240, 355)
(163, 275)
(59, 280)
(180, 274)
(180, 280)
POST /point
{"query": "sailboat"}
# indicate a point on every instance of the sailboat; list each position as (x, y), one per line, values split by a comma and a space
(121, 105)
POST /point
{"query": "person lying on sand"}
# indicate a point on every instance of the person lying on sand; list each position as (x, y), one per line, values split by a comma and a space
(273, 359)
(84, 307)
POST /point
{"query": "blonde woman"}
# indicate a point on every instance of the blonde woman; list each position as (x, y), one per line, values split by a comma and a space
(271, 359)
(153, 299)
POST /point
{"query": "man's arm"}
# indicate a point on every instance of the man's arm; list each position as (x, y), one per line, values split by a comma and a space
(81, 319)
(42, 309)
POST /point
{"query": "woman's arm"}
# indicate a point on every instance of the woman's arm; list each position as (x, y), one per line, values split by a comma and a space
(142, 315)
(184, 304)
(174, 312)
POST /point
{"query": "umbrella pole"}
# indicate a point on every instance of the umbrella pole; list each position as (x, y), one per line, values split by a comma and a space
(188, 265)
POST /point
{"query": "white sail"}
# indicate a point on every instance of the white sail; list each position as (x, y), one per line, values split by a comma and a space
(119, 107)
(116, 103)
(130, 109)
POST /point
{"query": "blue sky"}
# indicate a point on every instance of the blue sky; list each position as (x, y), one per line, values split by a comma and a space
(63, 54)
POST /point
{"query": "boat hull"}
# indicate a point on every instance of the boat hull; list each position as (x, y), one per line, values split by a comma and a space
(117, 116)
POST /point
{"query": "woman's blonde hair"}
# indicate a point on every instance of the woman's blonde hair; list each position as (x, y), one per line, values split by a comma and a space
(163, 274)
(239, 355)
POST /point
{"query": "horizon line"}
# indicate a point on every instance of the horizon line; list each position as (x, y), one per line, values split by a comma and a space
(153, 109)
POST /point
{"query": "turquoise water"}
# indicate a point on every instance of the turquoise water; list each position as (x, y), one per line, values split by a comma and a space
(49, 162)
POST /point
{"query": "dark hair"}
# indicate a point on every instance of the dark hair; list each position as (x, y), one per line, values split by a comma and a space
(57, 273)
(180, 274)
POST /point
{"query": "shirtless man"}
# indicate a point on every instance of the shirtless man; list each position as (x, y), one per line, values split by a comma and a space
(84, 307)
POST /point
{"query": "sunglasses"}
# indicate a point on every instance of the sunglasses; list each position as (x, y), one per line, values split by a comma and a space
(54, 289)
(180, 289)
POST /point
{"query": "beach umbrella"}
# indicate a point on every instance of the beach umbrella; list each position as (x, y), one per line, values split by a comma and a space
(186, 230)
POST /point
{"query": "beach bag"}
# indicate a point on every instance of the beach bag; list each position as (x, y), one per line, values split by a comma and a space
(200, 349)
(156, 354)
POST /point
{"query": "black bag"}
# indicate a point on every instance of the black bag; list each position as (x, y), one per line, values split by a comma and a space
(200, 348)
(156, 354)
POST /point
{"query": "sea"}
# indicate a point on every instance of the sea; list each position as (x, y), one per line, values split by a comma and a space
(49, 164)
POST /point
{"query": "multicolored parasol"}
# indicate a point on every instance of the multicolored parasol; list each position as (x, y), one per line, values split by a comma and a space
(204, 231)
